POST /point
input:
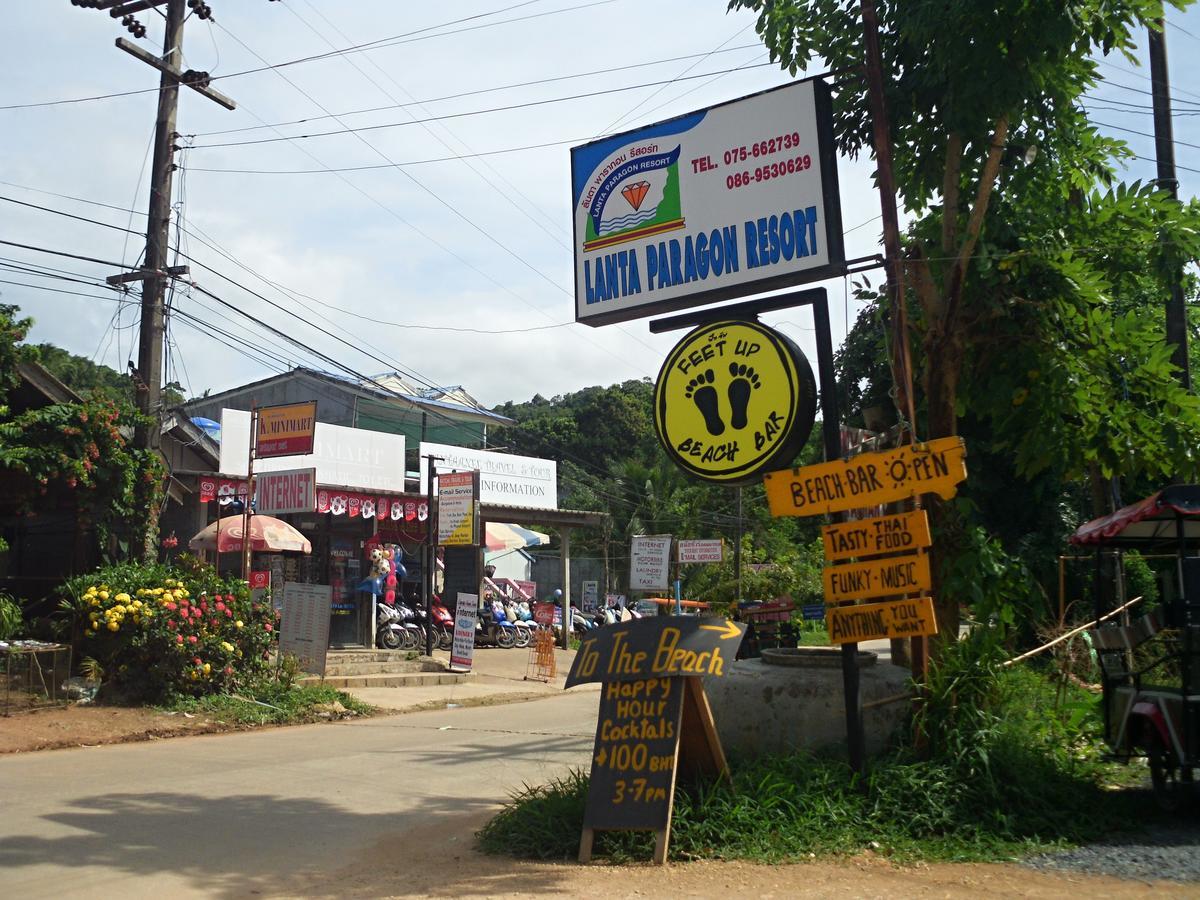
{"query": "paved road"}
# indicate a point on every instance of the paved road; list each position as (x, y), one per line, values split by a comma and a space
(240, 814)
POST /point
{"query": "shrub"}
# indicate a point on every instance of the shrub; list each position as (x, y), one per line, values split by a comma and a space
(159, 631)
(10, 617)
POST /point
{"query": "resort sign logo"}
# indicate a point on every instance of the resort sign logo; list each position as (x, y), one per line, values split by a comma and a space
(635, 196)
(724, 202)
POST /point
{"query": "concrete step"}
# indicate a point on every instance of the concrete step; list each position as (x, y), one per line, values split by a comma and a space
(391, 680)
(378, 662)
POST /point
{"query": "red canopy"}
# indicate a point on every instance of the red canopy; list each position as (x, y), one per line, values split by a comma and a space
(1150, 521)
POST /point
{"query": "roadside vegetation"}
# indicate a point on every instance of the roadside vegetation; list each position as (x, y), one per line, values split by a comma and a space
(1011, 764)
(275, 703)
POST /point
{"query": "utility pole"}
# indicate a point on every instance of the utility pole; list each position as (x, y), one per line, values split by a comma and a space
(1164, 153)
(155, 272)
(158, 224)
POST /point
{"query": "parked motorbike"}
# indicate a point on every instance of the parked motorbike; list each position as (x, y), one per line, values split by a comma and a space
(390, 633)
(414, 635)
(523, 633)
(493, 628)
(443, 624)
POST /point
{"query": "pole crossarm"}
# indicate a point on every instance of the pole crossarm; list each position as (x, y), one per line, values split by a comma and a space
(171, 71)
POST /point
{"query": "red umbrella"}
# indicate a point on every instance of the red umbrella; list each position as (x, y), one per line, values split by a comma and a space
(266, 534)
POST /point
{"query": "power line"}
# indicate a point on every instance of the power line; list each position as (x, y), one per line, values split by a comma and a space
(1177, 143)
(490, 90)
(404, 38)
(460, 115)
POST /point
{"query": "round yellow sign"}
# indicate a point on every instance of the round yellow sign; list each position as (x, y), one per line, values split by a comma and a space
(733, 399)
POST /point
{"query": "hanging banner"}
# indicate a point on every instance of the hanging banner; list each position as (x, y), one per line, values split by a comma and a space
(878, 535)
(874, 621)
(287, 430)
(869, 479)
(729, 201)
(458, 520)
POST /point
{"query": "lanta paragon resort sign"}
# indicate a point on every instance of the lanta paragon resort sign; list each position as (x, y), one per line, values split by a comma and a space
(724, 202)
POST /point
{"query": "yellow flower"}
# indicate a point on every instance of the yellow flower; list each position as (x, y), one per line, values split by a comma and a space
(1019, 396)
(104, 594)
(157, 591)
(239, 623)
(94, 602)
(207, 666)
(122, 597)
(137, 604)
(119, 609)
(226, 646)
(113, 626)
(177, 593)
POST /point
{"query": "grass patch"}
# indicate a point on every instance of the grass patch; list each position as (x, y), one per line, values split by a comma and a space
(1016, 768)
(277, 704)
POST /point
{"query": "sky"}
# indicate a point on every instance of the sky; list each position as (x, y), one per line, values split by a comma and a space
(415, 246)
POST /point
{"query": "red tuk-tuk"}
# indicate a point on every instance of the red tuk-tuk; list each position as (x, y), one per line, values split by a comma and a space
(1149, 665)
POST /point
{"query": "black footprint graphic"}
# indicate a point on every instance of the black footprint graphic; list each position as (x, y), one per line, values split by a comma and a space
(745, 380)
(704, 395)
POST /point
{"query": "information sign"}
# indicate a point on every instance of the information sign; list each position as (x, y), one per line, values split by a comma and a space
(869, 479)
(289, 491)
(590, 600)
(304, 629)
(466, 613)
(702, 551)
(458, 524)
(650, 560)
(288, 430)
(908, 574)
(873, 621)
(733, 399)
(878, 535)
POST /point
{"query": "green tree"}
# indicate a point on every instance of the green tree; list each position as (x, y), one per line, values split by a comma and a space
(968, 86)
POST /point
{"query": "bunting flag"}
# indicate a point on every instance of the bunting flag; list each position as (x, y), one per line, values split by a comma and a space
(340, 503)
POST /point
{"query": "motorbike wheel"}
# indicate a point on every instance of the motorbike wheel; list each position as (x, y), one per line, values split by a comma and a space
(505, 638)
(410, 639)
(445, 638)
(1170, 791)
(521, 637)
(389, 640)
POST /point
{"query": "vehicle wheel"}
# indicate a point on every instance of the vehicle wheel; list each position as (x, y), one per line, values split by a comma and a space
(520, 637)
(389, 640)
(505, 638)
(1170, 791)
(446, 639)
(410, 639)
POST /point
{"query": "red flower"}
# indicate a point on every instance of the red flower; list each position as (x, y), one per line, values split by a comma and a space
(178, 638)
(268, 627)
(192, 639)
(228, 613)
(197, 661)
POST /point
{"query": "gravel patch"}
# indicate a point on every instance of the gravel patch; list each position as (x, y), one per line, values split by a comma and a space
(1170, 852)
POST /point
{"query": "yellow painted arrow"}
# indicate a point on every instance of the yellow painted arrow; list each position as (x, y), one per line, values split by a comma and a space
(728, 629)
(602, 756)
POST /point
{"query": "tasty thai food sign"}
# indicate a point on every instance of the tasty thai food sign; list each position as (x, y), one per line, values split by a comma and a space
(727, 201)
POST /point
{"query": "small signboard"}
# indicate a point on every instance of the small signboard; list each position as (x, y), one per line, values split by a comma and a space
(590, 600)
(734, 399)
(702, 551)
(260, 584)
(288, 430)
(304, 629)
(543, 613)
(458, 522)
(289, 491)
(466, 613)
(813, 612)
(875, 536)
(873, 621)
(869, 479)
(893, 575)
(650, 561)
(654, 719)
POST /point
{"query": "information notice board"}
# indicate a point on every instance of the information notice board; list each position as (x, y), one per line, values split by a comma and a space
(304, 629)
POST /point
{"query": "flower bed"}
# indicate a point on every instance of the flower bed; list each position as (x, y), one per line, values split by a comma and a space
(156, 631)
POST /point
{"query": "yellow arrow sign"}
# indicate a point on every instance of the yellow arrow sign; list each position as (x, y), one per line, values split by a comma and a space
(728, 630)
(871, 621)
(869, 479)
(876, 535)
